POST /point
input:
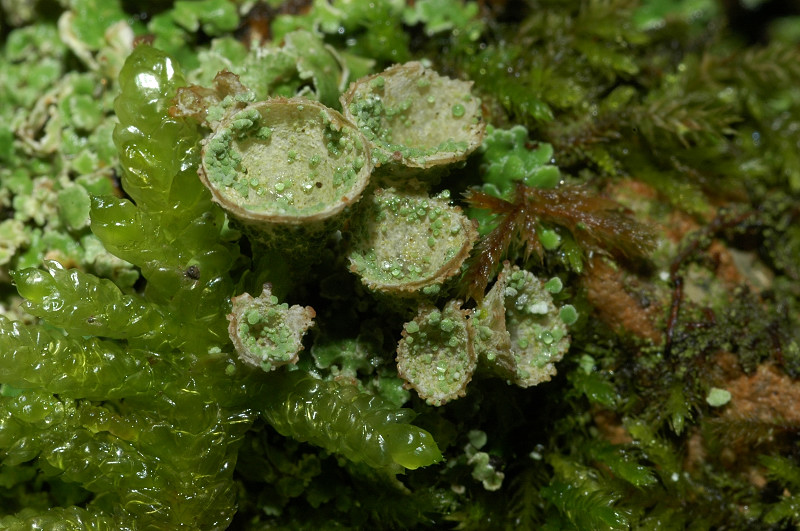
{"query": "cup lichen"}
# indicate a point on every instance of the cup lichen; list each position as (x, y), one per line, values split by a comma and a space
(415, 118)
(265, 333)
(519, 333)
(124, 403)
(435, 355)
(282, 163)
(404, 243)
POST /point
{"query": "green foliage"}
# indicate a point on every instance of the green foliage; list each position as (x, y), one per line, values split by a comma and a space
(439, 16)
(170, 225)
(165, 435)
(56, 140)
(123, 405)
(343, 420)
(623, 464)
(580, 500)
(787, 472)
(592, 383)
(39, 357)
(372, 28)
(214, 16)
(509, 159)
(91, 18)
(526, 507)
(59, 296)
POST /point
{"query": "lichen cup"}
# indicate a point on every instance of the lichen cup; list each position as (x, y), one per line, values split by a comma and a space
(435, 356)
(407, 244)
(286, 170)
(518, 332)
(266, 333)
(415, 119)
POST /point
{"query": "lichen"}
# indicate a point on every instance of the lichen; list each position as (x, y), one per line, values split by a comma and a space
(435, 355)
(519, 333)
(414, 117)
(267, 334)
(285, 161)
(639, 175)
(404, 243)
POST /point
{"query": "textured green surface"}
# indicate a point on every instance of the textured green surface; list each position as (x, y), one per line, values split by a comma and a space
(435, 355)
(340, 419)
(123, 404)
(405, 242)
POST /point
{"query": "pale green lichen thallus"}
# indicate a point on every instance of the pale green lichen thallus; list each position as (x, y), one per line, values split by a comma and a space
(267, 333)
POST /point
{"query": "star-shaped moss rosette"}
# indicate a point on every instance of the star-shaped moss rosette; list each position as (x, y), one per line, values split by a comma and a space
(415, 118)
(266, 333)
(518, 332)
(435, 356)
(408, 244)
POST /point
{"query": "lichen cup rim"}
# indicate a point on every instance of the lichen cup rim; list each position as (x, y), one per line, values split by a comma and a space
(276, 217)
(472, 138)
(448, 268)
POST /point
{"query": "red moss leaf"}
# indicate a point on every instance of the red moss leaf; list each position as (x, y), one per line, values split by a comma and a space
(597, 223)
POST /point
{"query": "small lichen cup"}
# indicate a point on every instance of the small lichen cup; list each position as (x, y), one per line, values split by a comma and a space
(435, 356)
(266, 333)
(518, 332)
(414, 118)
(407, 244)
(286, 170)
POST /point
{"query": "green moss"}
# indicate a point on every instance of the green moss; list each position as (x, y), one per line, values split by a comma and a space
(123, 401)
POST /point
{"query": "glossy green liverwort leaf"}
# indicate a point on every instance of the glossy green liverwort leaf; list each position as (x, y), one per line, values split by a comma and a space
(156, 151)
(37, 357)
(86, 305)
(172, 232)
(339, 418)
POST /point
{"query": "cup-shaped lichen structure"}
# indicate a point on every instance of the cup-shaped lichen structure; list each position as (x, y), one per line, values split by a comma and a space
(435, 356)
(408, 244)
(267, 333)
(285, 169)
(414, 117)
(518, 332)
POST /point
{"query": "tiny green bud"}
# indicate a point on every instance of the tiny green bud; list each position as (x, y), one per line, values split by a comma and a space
(550, 239)
(568, 314)
(718, 397)
(554, 285)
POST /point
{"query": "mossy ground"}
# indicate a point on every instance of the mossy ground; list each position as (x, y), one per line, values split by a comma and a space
(673, 114)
